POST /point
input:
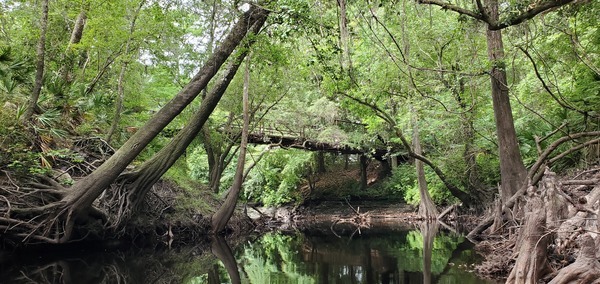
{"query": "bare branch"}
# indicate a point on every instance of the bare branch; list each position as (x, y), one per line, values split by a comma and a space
(581, 182)
(546, 87)
(448, 6)
(534, 9)
(594, 141)
(533, 174)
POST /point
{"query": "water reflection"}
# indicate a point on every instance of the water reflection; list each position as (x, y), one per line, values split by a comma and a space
(100, 264)
(428, 232)
(421, 254)
(221, 249)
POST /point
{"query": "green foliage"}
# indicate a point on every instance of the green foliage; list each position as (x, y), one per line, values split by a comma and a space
(297, 258)
(262, 261)
(276, 179)
(402, 55)
(32, 150)
(196, 196)
(404, 182)
(197, 163)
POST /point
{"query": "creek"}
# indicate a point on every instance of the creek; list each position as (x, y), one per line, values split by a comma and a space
(390, 254)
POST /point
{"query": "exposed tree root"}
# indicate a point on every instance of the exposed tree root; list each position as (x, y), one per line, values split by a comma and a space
(586, 269)
(36, 211)
(531, 261)
(561, 224)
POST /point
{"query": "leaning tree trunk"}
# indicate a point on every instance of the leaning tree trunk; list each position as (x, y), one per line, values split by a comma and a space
(224, 213)
(76, 35)
(138, 183)
(76, 203)
(39, 66)
(221, 249)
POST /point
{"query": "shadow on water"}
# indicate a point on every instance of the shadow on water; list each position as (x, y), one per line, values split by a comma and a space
(399, 254)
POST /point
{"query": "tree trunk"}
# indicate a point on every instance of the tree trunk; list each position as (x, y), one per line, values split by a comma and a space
(586, 269)
(39, 66)
(76, 35)
(427, 208)
(321, 163)
(533, 242)
(363, 171)
(512, 169)
(85, 191)
(345, 59)
(219, 156)
(222, 216)
(139, 183)
(385, 169)
(214, 170)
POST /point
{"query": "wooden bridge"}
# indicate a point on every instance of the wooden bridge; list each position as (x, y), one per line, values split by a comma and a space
(288, 137)
(311, 145)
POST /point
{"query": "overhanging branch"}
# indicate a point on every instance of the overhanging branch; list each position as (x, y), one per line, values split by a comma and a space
(535, 8)
(449, 6)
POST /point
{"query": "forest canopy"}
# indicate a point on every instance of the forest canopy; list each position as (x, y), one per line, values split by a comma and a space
(101, 99)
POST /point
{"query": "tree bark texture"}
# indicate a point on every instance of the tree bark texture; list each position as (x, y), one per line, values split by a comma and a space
(512, 169)
(553, 223)
(224, 213)
(364, 163)
(39, 65)
(532, 244)
(427, 208)
(138, 184)
(66, 69)
(320, 163)
(85, 191)
(77, 32)
(586, 269)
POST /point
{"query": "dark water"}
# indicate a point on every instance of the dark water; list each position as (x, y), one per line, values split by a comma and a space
(418, 254)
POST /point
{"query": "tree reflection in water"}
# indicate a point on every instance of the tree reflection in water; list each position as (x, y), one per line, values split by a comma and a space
(421, 255)
(94, 264)
(378, 255)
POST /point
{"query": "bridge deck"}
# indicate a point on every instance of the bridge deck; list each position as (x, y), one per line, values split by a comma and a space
(310, 145)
